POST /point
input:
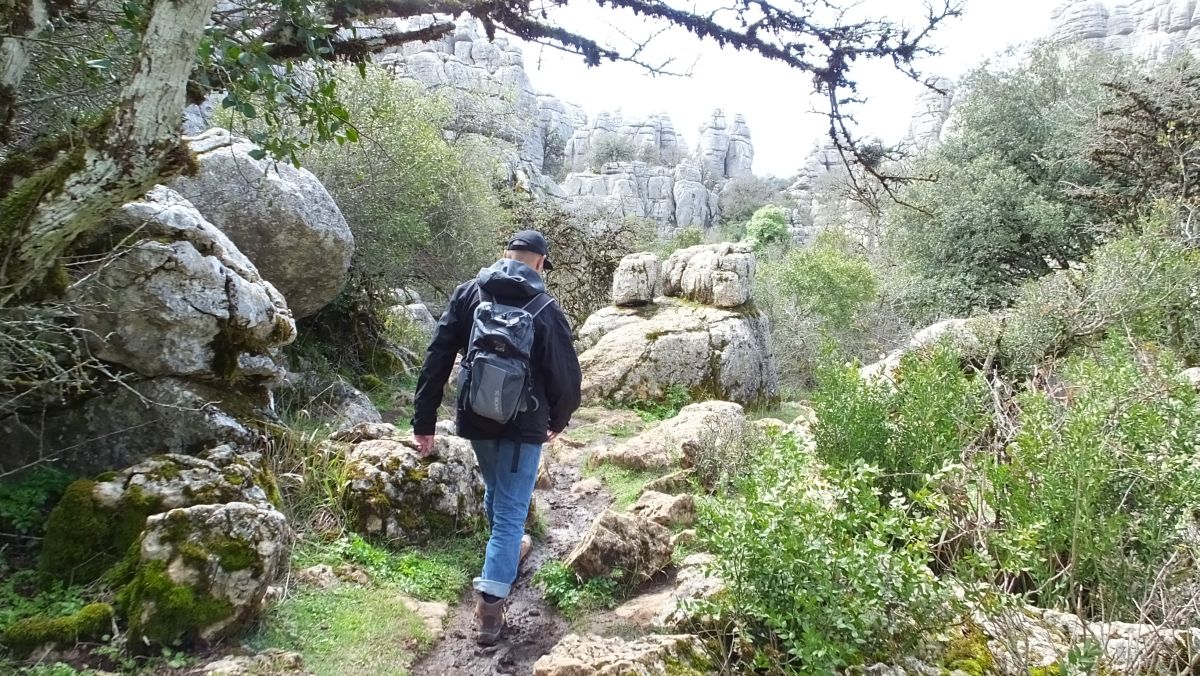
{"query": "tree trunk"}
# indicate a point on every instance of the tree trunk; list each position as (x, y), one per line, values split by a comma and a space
(24, 20)
(70, 185)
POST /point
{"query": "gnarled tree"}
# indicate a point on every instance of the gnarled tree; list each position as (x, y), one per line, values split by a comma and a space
(58, 188)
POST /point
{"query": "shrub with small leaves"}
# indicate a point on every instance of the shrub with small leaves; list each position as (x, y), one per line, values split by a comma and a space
(822, 570)
(563, 589)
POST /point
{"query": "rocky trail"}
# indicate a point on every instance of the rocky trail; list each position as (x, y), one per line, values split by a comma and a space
(533, 626)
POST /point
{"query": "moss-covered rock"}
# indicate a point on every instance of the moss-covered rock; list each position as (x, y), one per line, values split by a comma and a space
(969, 652)
(394, 492)
(200, 573)
(91, 622)
(96, 521)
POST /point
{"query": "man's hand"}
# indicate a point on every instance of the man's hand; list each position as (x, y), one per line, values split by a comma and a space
(551, 435)
(424, 444)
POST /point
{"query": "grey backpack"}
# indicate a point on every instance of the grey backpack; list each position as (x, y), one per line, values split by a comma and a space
(496, 372)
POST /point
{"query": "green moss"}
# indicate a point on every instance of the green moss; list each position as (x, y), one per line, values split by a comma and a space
(234, 554)
(969, 652)
(83, 539)
(106, 477)
(1050, 670)
(179, 612)
(418, 473)
(266, 481)
(91, 622)
(234, 479)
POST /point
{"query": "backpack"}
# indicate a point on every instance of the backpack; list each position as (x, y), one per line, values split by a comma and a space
(497, 379)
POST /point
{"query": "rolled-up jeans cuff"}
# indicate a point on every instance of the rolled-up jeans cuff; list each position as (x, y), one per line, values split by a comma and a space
(497, 589)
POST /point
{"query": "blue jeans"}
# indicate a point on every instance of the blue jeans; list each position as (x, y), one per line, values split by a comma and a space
(509, 488)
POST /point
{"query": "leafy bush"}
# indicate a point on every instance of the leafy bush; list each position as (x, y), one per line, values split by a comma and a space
(25, 501)
(654, 410)
(689, 236)
(1146, 147)
(742, 196)
(1100, 485)
(768, 225)
(610, 148)
(999, 211)
(927, 421)
(822, 572)
(1147, 285)
(562, 588)
(820, 295)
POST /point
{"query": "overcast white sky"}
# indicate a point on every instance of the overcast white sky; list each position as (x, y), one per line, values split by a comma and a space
(776, 100)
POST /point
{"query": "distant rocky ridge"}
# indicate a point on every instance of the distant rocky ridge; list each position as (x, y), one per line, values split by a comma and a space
(1150, 29)
(550, 146)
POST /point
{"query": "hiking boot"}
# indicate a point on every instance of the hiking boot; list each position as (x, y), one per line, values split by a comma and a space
(489, 618)
(526, 547)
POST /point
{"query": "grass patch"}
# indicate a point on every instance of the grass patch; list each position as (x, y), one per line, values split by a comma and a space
(346, 631)
(438, 572)
(624, 484)
(787, 411)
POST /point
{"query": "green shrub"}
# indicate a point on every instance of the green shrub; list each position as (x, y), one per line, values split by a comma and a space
(25, 500)
(768, 225)
(823, 281)
(668, 406)
(1100, 483)
(1146, 285)
(1000, 210)
(689, 236)
(563, 589)
(910, 431)
(822, 571)
(610, 148)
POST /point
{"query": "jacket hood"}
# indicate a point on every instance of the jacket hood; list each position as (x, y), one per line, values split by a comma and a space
(509, 278)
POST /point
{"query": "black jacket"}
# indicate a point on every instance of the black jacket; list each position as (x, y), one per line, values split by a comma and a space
(556, 376)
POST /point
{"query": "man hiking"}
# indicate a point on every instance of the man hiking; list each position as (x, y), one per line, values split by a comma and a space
(517, 389)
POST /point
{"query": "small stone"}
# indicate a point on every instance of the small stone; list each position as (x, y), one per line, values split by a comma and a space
(588, 486)
(320, 576)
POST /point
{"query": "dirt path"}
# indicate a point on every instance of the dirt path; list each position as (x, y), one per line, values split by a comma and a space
(534, 627)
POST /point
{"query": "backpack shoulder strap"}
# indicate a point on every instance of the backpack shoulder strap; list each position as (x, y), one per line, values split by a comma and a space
(484, 296)
(540, 302)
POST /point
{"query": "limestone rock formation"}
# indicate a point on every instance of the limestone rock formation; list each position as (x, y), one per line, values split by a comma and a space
(664, 509)
(957, 333)
(201, 572)
(624, 189)
(693, 201)
(721, 275)
(929, 122)
(636, 280)
(636, 546)
(724, 352)
(1026, 638)
(724, 151)
(128, 424)
(96, 521)
(279, 216)
(671, 609)
(1156, 30)
(181, 300)
(635, 354)
(1192, 376)
(666, 445)
(652, 655)
(395, 493)
(652, 140)
(331, 401)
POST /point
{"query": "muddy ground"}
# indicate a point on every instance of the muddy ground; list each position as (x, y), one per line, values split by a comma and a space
(533, 626)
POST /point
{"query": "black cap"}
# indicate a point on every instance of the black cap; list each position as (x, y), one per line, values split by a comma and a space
(531, 240)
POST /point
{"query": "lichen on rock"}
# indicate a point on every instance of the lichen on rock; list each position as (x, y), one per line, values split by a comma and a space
(200, 573)
(394, 492)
